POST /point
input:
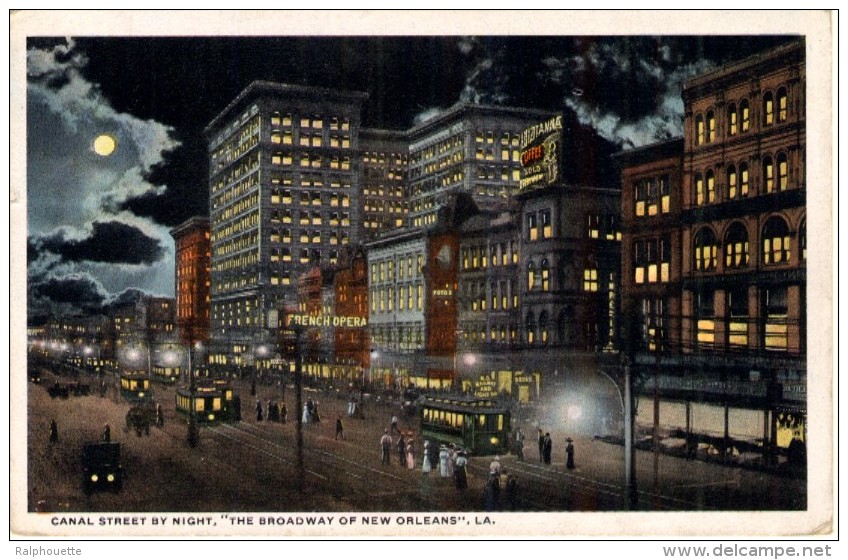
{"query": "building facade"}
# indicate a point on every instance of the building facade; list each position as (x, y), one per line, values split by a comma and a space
(385, 158)
(284, 197)
(470, 149)
(192, 279)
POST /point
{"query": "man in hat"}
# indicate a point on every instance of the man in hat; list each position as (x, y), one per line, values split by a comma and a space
(569, 453)
(386, 446)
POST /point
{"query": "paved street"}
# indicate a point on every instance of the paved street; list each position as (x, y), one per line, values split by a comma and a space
(252, 466)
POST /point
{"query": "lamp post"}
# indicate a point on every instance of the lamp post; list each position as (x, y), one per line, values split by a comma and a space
(193, 435)
(625, 395)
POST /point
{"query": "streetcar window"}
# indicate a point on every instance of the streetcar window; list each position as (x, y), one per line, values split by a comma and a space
(146, 383)
(199, 405)
(500, 422)
(216, 403)
(228, 395)
(459, 418)
(482, 420)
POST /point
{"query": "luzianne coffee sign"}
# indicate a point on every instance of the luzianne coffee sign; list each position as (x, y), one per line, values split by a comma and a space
(541, 146)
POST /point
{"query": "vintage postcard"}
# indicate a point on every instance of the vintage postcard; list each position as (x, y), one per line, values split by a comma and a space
(422, 274)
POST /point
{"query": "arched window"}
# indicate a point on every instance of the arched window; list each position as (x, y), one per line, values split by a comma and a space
(531, 275)
(710, 179)
(699, 130)
(700, 196)
(530, 327)
(782, 105)
(744, 179)
(768, 109)
(782, 172)
(732, 120)
(544, 335)
(732, 183)
(768, 174)
(736, 246)
(711, 127)
(744, 116)
(775, 241)
(706, 250)
(546, 275)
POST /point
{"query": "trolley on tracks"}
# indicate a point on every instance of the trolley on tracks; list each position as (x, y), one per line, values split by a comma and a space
(212, 400)
(481, 426)
(135, 386)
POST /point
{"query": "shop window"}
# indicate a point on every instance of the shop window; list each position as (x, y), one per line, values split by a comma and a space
(737, 317)
(775, 315)
(705, 319)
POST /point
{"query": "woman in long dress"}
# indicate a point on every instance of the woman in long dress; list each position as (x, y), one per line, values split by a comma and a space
(426, 467)
(410, 456)
(460, 474)
(443, 462)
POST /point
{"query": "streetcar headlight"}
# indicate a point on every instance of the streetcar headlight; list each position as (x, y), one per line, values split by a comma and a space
(110, 477)
(211, 417)
(141, 394)
(94, 478)
(494, 440)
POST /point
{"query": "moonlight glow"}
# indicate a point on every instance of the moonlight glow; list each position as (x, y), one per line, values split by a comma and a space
(104, 145)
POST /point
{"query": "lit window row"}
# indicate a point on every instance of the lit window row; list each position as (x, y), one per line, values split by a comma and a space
(775, 109)
(774, 177)
(407, 297)
(652, 196)
(500, 254)
(652, 260)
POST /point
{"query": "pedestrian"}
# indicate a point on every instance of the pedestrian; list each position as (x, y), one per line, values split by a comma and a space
(443, 462)
(569, 453)
(547, 448)
(316, 417)
(253, 388)
(306, 416)
(160, 417)
(512, 491)
(394, 424)
(284, 413)
(310, 406)
(268, 414)
(339, 427)
(451, 460)
(519, 444)
(386, 446)
(495, 466)
(493, 492)
(426, 467)
(460, 473)
(258, 410)
(107, 433)
(541, 445)
(401, 448)
(410, 456)
(54, 432)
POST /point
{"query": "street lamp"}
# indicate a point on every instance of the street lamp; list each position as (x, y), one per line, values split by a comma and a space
(375, 356)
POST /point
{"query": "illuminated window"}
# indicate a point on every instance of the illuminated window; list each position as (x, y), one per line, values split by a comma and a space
(652, 260)
(711, 127)
(590, 280)
(737, 317)
(545, 222)
(653, 323)
(744, 180)
(782, 172)
(706, 249)
(546, 275)
(699, 130)
(782, 105)
(732, 120)
(768, 174)
(732, 182)
(744, 115)
(775, 241)
(705, 319)
(776, 315)
(531, 276)
(532, 227)
(530, 327)
(768, 109)
(710, 186)
(736, 246)
(700, 195)
(594, 226)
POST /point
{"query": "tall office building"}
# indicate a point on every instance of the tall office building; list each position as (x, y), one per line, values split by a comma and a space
(472, 149)
(384, 186)
(192, 279)
(284, 194)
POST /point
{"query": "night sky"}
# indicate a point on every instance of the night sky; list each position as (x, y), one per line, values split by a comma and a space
(98, 224)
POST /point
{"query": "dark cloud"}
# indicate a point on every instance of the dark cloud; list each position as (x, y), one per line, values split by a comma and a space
(109, 242)
(66, 295)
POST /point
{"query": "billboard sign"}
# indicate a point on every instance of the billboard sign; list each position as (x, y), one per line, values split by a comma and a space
(541, 154)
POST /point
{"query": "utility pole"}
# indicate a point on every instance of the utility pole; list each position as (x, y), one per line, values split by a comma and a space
(298, 395)
(629, 449)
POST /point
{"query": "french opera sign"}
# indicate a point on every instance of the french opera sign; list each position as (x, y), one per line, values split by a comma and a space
(541, 154)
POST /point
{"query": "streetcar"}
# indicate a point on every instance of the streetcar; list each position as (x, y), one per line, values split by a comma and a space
(214, 400)
(168, 375)
(135, 386)
(481, 426)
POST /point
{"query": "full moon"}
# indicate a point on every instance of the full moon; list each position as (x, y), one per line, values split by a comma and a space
(104, 145)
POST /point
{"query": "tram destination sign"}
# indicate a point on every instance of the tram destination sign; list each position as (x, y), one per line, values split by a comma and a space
(541, 154)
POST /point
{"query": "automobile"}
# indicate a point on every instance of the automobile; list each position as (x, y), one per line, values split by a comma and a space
(101, 467)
